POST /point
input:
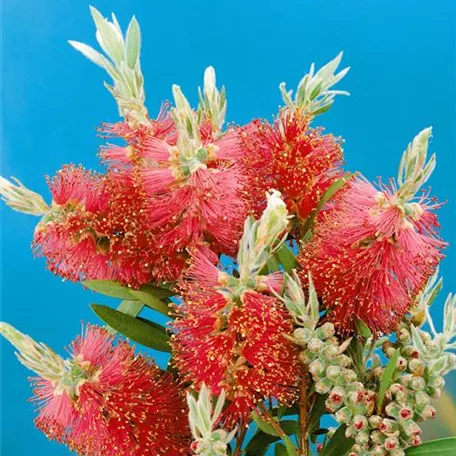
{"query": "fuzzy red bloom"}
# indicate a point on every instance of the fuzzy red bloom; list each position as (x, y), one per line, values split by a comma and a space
(236, 345)
(291, 157)
(187, 206)
(67, 236)
(370, 255)
(123, 405)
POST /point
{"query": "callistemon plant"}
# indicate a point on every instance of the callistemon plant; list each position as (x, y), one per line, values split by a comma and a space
(298, 294)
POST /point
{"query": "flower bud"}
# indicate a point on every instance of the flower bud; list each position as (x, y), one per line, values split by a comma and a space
(323, 386)
(330, 351)
(343, 360)
(316, 367)
(327, 330)
(401, 363)
(391, 443)
(333, 372)
(343, 415)
(405, 413)
(416, 365)
(389, 427)
(375, 421)
(362, 437)
(274, 219)
(393, 409)
(417, 383)
(404, 335)
(314, 345)
(428, 413)
(360, 422)
(422, 399)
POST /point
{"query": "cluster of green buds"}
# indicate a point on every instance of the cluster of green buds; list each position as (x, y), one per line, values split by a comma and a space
(21, 199)
(122, 62)
(314, 94)
(66, 376)
(420, 360)
(208, 441)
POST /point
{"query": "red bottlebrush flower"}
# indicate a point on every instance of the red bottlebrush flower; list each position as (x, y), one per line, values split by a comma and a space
(67, 236)
(192, 198)
(371, 254)
(292, 158)
(119, 403)
(238, 345)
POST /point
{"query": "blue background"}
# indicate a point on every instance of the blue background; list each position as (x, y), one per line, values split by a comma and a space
(402, 55)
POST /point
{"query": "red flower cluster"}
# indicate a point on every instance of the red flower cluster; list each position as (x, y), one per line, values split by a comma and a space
(235, 344)
(370, 256)
(291, 157)
(123, 404)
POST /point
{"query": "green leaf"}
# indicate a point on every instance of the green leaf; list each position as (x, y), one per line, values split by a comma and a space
(158, 292)
(264, 426)
(387, 376)
(151, 301)
(317, 411)
(142, 331)
(291, 449)
(280, 450)
(133, 42)
(260, 442)
(286, 258)
(363, 329)
(131, 308)
(330, 192)
(339, 444)
(440, 447)
(109, 288)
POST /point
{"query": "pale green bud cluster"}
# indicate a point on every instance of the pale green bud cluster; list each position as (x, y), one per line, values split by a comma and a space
(21, 199)
(413, 169)
(314, 94)
(121, 61)
(208, 441)
(261, 238)
(212, 101)
(66, 376)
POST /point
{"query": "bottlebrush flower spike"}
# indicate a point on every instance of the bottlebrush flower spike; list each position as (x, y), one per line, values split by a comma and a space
(230, 333)
(208, 441)
(21, 199)
(373, 251)
(290, 156)
(104, 399)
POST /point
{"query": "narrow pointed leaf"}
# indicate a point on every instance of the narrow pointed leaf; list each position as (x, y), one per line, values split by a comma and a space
(280, 450)
(286, 258)
(339, 444)
(142, 331)
(387, 376)
(260, 442)
(151, 301)
(109, 288)
(440, 447)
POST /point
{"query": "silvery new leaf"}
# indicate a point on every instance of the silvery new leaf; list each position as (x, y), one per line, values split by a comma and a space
(203, 419)
(121, 63)
(314, 94)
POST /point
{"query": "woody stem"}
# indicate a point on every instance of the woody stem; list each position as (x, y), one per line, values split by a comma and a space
(303, 412)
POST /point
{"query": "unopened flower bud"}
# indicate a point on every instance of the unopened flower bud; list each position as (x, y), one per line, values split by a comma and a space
(405, 413)
(359, 422)
(343, 360)
(314, 345)
(375, 421)
(316, 367)
(323, 386)
(337, 395)
(333, 372)
(393, 410)
(417, 383)
(404, 335)
(343, 415)
(330, 352)
(397, 452)
(274, 219)
(422, 399)
(388, 426)
(428, 413)
(327, 330)
(401, 363)
(416, 365)
(377, 437)
(391, 443)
